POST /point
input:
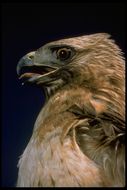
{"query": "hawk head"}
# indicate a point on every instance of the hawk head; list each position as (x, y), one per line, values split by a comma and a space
(93, 61)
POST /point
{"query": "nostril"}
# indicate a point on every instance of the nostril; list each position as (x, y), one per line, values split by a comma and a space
(31, 57)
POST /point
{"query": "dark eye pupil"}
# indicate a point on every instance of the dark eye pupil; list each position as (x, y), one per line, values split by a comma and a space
(63, 54)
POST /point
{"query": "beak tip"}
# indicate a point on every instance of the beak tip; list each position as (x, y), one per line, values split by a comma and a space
(19, 66)
(26, 60)
(18, 70)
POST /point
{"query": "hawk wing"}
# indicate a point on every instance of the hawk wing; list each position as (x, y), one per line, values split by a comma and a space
(101, 137)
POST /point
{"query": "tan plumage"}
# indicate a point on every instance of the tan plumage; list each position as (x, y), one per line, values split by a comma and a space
(78, 137)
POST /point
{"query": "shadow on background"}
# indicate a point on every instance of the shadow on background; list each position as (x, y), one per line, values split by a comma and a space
(26, 27)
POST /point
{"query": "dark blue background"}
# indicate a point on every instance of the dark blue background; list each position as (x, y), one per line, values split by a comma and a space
(26, 27)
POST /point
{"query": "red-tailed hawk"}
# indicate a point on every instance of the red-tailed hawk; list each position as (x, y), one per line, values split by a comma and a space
(78, 137)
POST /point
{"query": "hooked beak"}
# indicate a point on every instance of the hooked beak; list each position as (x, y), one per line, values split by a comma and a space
(32, 72)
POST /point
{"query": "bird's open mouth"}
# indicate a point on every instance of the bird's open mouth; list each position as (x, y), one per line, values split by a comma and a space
(34, 73)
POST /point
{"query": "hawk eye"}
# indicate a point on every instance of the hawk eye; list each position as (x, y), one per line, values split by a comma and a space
(63, 54)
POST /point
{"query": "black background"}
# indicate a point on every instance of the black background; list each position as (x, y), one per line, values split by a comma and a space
(26, 27)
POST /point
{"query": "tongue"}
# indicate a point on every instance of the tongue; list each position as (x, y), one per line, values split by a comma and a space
(28, 75)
